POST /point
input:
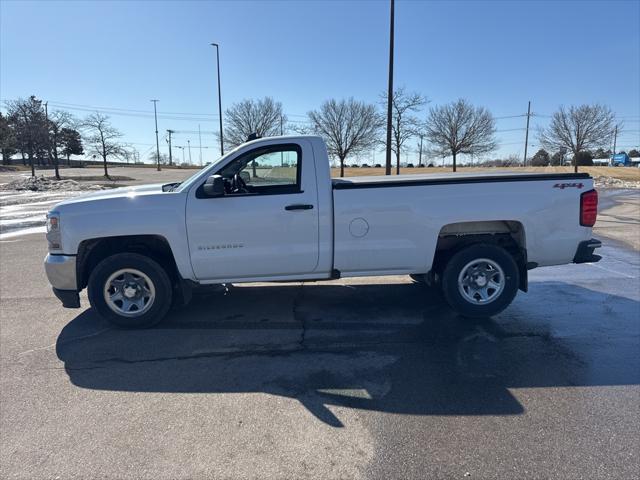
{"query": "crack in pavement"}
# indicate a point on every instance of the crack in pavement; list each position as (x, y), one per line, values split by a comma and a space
(255, 350)
(297, 316)
(71, 340)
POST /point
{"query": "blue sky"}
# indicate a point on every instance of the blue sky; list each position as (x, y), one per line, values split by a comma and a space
(499, 54)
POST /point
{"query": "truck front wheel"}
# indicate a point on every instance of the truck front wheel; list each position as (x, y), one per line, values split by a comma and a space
(480, 280)
(130, 290)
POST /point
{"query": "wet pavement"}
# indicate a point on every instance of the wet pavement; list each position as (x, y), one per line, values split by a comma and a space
(361, 378)
(24, 212)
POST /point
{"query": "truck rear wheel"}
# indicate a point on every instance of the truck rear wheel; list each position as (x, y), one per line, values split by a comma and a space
(130, 290)
(480, 280)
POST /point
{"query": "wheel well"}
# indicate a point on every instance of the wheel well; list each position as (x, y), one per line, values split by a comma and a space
(509, 235)
(93, 251)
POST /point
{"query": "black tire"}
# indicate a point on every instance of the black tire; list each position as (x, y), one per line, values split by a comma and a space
(152, 269)
(458, 302)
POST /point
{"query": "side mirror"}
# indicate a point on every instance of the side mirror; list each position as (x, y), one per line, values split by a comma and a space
(214, 186)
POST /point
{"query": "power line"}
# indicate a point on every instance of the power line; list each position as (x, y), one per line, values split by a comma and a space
(132, 110)
(510, 116)
(139, 115)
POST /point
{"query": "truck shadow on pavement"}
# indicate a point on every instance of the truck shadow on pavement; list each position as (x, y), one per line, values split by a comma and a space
(390, 348)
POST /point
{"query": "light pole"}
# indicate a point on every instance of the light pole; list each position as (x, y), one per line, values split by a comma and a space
(189, 144)
(526, 137)
(155, 114)
(219, 97)
(387, 168)
(181, 148)
(170, 152)
(200, 141)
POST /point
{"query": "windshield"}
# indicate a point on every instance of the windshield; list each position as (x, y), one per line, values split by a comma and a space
(201, 173)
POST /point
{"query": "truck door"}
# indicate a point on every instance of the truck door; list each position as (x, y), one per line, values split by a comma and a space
(266, 224)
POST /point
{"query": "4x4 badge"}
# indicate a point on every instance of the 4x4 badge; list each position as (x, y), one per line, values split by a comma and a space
(562, 186)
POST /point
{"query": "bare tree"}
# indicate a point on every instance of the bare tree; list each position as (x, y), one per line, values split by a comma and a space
(164, 158)
(579, 128)
(28, 118)
(102, 138)
(58, 121)
(263, 117)
(459, 127)
(347, 126)
(404, 125)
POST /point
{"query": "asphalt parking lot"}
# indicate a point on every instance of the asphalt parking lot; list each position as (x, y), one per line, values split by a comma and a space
(363, 378)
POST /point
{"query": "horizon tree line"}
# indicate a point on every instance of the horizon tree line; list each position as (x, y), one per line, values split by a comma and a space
(348, 126)
(351, 127)
(44, 137)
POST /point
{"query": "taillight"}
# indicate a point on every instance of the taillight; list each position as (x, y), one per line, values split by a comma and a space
(588, 208)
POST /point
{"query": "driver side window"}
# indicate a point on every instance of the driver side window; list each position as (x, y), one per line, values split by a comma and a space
(267, 170)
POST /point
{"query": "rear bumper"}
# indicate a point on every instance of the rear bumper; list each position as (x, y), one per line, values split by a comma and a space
(585, 250)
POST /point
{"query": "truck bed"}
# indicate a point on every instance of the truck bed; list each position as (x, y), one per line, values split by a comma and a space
(380, 181)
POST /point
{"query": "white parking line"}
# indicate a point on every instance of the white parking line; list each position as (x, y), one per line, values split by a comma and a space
(612, 271)
(26, 231)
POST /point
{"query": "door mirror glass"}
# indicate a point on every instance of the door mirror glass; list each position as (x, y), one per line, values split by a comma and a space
(214, 186)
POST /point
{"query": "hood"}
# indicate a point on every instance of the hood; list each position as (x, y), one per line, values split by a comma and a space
(112, 193)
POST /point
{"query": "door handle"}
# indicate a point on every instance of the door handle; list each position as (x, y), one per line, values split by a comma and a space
(298, 206)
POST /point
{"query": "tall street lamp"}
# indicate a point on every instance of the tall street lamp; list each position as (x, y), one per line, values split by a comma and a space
(387, 167)
(219, 97)
(155, 114)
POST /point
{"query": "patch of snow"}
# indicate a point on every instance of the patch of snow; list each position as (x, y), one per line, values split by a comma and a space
(42, 184)
(611, 182)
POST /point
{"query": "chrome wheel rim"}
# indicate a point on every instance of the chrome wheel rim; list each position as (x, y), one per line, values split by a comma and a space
(129, 292)
(481, 281)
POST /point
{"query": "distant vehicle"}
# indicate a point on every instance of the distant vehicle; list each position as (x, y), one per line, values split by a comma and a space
(421, 165)
(410, 165)
(364, 165)
(354, 165)
(430, 165)
(139, 249)
(620, 160)
(377, 165)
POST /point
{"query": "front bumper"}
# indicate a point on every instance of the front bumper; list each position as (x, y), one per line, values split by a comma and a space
(69, 298)
(61, 272)
(585, 250)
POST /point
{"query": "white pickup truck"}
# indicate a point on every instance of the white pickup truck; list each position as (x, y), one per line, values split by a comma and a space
(269, 211)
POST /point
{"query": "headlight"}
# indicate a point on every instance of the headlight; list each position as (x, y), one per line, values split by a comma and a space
(53, 231)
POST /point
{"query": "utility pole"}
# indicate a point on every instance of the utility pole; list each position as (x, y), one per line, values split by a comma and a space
(219, 98)
(615, 139)
(420, 151)
(46, 115)
(387, 168)
(189, 145)
(155, 114)
(200, 140)
(281, 133)
(170, 152)
(526, 137)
